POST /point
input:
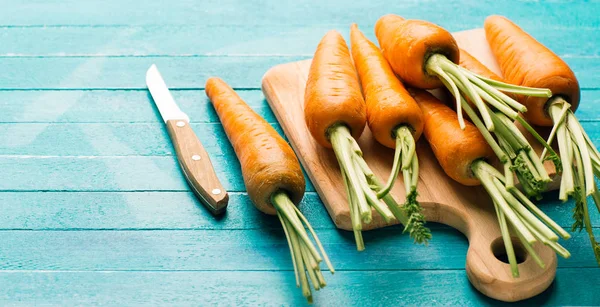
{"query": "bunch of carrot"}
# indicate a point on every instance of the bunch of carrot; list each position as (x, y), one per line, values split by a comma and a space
(336, 114)
(525, 61)
(426, 56)
(439, 61)
(346, 91)
(273, 179)
(394, 118)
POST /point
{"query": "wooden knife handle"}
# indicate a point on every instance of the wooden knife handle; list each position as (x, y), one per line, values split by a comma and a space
(196, 166)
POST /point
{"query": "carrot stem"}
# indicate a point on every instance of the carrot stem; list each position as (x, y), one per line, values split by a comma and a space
(541, 215)
(582, 200)
(462, 83)
(485, 94)
(408, 215)
(527, 221)
(481, 127)
(525, 214)
(372, 199)
(530, 250)
(580, 158)
(316, 238)
(547, 148)
(586, 161)
(452, 86)
(305, 256)
(362, 186)
(556, 119)
(287, 236)
(494, 93)
(403, 159)
(343, 151)
(515, 89)
(300, 262)
(508, 246)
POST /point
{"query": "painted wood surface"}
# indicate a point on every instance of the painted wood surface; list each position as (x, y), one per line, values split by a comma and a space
(89, 184)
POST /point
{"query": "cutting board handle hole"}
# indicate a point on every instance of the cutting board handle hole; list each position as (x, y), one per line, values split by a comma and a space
(500, 252)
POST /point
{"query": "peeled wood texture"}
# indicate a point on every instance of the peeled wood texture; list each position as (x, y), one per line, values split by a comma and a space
(467, 209)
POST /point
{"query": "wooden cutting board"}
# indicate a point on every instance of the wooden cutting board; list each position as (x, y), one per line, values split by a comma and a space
(468, 209)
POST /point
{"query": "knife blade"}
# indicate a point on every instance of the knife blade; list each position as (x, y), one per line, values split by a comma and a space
(193, 159)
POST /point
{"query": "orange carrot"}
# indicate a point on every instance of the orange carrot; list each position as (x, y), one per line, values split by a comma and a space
(408, 44)
(335, 114)
(332, 95)
(268, 163)
(455, 149)
(426, 56)
(272, 176)
(393, 116)
(389, 105)
(464, 156)
(525, 61)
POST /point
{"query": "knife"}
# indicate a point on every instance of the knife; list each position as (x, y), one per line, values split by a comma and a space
(192, 158)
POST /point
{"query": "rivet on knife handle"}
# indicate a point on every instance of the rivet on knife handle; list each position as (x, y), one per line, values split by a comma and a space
(196, 166)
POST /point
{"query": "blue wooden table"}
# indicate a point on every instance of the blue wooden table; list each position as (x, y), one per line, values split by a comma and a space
(94, 209)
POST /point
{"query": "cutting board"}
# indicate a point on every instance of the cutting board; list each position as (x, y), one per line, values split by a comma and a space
(468, 209)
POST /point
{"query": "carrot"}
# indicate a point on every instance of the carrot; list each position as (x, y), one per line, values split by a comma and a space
(335, 114)
(525, 61)
(426, 56)
(273, 178)
(393, 116)
(332, 93)
(408, 46)
(464, 156)
(523, 159)
(454, 148)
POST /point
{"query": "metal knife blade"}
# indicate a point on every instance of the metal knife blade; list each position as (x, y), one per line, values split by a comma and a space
(193, 159)
(162, 97)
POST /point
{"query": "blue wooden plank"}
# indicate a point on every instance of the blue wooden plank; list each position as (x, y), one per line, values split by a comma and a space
(129, 73)
(111, 106)
(145, 139)
(109, 173)
(139, 139)
(243, 72)
(211, 40)
(173, 210)
(101, 139)
(125, 106)
(139, 210)
(364, 288)
(245, 14)
(238, 250)
(86, 173)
